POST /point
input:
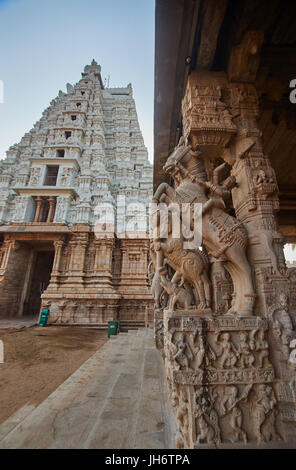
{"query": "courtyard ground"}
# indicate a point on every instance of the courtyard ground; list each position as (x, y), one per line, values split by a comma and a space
(38, 360)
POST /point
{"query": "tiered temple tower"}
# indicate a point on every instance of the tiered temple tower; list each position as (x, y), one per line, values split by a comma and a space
(82, 163)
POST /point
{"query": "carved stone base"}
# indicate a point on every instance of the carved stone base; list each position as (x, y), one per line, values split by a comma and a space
(224, 389)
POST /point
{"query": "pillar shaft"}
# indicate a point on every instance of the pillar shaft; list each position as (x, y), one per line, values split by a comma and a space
(227, 362)
(39, 203)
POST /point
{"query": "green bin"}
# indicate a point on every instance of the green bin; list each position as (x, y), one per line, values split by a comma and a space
(43, 317)
(113, 327)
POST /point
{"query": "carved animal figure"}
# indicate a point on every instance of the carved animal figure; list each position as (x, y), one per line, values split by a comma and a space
(223, 235)
(178, 295)
(189, 266)
(206, 431)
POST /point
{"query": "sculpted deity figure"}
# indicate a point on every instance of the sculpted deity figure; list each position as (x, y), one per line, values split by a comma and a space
(265, 414)
(183, 353)
(230, 407)
(245, 348)
(262, 350)
(156, 287)
(227, 352)
(207, 421)
(182, 416)
(282, 322)
(204, 353)
(223, 236)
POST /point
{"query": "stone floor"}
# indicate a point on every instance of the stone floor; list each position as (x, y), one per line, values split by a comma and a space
(114, 400)
(18, 323)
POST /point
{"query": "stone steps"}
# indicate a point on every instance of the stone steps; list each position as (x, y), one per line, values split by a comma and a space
(114, 400)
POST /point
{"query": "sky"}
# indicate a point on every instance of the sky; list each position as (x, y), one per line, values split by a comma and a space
(46, 44)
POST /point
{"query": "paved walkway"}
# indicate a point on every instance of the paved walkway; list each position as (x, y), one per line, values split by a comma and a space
(114, 400)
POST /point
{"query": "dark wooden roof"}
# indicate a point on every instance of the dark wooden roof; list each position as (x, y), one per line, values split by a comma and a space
(199, 34)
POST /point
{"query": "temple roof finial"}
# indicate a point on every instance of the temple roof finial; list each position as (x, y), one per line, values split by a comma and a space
(94, 68)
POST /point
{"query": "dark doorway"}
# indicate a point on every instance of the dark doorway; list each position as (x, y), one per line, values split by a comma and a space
(40, 281)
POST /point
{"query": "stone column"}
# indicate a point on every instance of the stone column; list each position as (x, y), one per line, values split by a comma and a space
(77, 260)
(7, 248)
(39, 203)
(54, 280)
(134, 263)
(52, 204)
(102, 271)
(255, 199)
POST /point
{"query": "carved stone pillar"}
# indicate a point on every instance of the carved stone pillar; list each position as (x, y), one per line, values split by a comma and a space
(7, 249)
(102, 271)
(77, 260)
(55, 273)
(228, 338)
(134, 263)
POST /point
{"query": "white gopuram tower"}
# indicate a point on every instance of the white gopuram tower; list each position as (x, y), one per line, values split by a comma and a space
(82, 167)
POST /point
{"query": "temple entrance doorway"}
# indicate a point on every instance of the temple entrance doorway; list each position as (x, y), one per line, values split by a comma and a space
(40, 277)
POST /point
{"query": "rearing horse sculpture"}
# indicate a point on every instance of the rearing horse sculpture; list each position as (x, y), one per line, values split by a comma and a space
(223, 236)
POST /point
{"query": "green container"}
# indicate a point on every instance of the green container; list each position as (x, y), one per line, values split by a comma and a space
(44, 317)
(113, 328)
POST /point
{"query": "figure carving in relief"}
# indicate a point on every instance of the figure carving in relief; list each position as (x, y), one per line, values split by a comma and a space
(159, 334)
(223, 235)
(202, 350)
(262, 349)
(265, 414)
(207, 421)
(182, 354)
(265, 185)
(156, 287)
(178, 294)
(266, 238)
(226, 351)
(66, 173)
(20, 207)
(61, 209)
(222, 286)
(246, 345)
(60, 316)
(182, 417)
(188, 265)
(35, 175)
(229, 406)
(282, 323)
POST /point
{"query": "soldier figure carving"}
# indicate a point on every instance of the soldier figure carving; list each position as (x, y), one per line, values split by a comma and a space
(223, 236)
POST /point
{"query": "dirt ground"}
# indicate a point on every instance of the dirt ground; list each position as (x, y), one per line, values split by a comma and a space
(38, 360)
